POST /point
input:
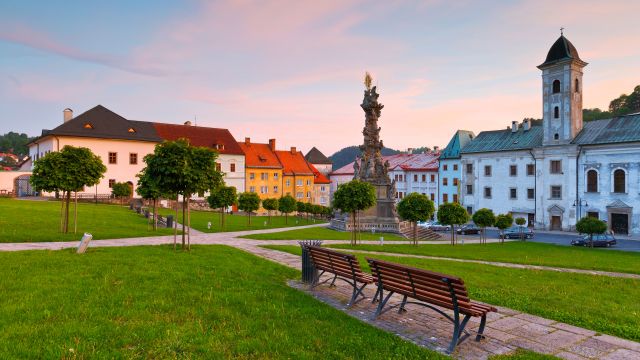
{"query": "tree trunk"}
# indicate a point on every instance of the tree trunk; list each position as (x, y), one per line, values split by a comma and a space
(249, 218)
(175, 226)
(184, 216)
(66, 216)
(61, 215)
(155, 215)
(75, 214)
(286, 218)
(221, 218)
(591, 241)
(269, 212)
(453, 235)
(415, 233)
(188, 223)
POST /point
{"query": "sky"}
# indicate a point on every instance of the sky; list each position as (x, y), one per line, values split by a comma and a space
(293, 70)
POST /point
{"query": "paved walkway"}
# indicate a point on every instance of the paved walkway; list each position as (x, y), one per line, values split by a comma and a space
(506, 330)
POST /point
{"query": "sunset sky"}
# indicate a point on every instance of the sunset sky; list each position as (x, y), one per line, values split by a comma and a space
(293, 69)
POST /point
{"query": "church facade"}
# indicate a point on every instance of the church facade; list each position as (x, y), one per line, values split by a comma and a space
(554, 172)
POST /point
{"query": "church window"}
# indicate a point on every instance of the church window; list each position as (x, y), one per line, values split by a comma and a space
(556, 86)
(556, 112)
(619, 177)
(555, 166)
(577, 86)
(592, 181)
(556, 136)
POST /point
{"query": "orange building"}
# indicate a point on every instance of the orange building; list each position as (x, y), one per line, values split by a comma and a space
(321, 187)
(263, 171)
(297, 179)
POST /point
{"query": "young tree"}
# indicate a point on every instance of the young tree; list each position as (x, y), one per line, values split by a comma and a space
(413, 208)
(148, 189)
(68, 170)
(452, 214)
(520, 221)
(317, 210)
(270, 205)
(221, 198)
(300, 209)
(286, 205)
(484, 218)
(503, 221)
(248, 202)
(352, 197)
(590, 225)
(121, 190)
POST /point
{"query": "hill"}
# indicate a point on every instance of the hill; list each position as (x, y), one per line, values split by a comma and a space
(349, 154)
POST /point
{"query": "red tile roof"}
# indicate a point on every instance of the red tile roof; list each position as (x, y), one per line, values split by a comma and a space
(294, 163)
(219, 139)
(319, 177)
(407, 162)
(259, 155)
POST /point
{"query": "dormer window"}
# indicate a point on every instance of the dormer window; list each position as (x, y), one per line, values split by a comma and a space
(219, 146)
(131, 130)
(556, 86)
(87, 126)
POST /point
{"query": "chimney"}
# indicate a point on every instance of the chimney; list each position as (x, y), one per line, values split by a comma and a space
(514, 126)
(68, 114)
(409, 150)
(187, 123)
(526, 124)
(272, 144)
(293, 150)
(247, 141)
(436, 149)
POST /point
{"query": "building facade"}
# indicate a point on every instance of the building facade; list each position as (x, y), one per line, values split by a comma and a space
(322, 163)
(263, 170)
(297, 176)
(450, 168)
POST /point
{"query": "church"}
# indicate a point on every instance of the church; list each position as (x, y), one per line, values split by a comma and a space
(554, 172)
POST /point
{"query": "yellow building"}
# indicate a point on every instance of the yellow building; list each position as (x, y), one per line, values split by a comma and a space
(297, 179)
(263, 170)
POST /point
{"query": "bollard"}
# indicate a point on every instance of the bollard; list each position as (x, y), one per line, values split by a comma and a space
(309, 272)
(84, 243)
(209, 225)
(381, 240)
(169, 221)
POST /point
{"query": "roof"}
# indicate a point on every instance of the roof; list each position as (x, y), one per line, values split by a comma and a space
(457, 142)
(616, 130)
(219, 139)
(505, 140)
(259, 155)
(293, 163)
(315, 156)
(407, 162)
(319, 177)
(561, 50)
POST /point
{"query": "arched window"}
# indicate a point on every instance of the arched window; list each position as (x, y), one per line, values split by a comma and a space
(619, 183)
(556, 136)
(556, 112)
(592, 181)
(556, 86)
(577, 86)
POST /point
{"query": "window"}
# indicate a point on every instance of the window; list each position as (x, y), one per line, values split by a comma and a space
(288, 182)
(455, 167)
(264, 176)
(556, 192)
(424, 178)
(592, 181)
(531, 170)
(433, 178)
(556, 112)
(111, 182)
(556, 86)
(487, 192)
(593, 214)
(275, 176)
(576, 86)
(323, 188)
(455, 181)
(445, 182)
(513, 193)
(298, 182)
(113, 158)
(556, 136)
(308, 194)
(299, 195)
(445, 197)
(487, 170)
(218, 167)
(455, 198)
(232, 167)
(513, 170)
(133, 158)
(469, 189)
(275, 189)
(433, 197)
(445, 167)
(555, 166)
(131, 130)
(415, 177)
(252, 176)
(88, 126)
(308, 182)
(469, 168)
(264, 189)
(252, 189)
(531, 194)
(469, 210)
(619, 185)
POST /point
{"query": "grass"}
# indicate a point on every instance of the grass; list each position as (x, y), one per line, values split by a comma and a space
(151, 302)
(37, 221)
(523, 253)
(320, 233)
(522, 354)
(605, 304)
(200, 220)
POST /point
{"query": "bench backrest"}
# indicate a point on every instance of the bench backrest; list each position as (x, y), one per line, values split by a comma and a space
(432, 287)
(335, 262)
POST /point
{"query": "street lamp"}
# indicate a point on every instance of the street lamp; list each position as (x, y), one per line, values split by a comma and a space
(579, 203)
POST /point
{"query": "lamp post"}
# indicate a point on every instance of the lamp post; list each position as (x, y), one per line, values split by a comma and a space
(579, 203)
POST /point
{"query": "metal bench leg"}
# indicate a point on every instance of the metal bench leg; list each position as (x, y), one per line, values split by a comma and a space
(356, 291)
(382, 304)
(401, 309)
(483, 321)
(375, 297)
(334, 281)
(458, 328)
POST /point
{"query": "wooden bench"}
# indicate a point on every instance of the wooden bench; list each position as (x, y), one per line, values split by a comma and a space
(344, 267)
(429, 288)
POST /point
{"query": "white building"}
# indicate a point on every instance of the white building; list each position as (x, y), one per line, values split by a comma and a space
(450, 169)
(557, 171)
(322, 163)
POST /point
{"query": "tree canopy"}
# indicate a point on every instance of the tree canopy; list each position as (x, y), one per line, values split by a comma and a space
(15, 143)
(484, 218)
(221, 198)
(590, 225)
(503, 221)
(415, 207)
(121, 190)
(248, 202)
(286, 205)
(354, 196)
(452, 214)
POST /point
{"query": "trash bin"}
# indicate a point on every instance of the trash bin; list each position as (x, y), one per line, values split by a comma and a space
(309, 272)
(169, 221)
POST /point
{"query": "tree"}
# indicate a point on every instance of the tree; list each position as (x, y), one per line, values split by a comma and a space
(484, 218)
(520, 221)
(248, 202)
(590, 225)
(300, 208)
(70, 169)
(148, 189)
(503, 221)
(15, 143)
(352, 197)
(270, 205)
(121, 190)
(413, 208)
(317, 210)
(286, 205)
(221, 198)
(452, 214)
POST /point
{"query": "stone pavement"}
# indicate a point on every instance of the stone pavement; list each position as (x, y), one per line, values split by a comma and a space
(506, 330)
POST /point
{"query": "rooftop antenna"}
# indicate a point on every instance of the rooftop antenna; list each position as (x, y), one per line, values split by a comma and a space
(195, 120)
(561, 31)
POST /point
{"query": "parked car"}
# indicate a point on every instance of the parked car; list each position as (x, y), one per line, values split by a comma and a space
(468, 229)
(436, 226)
(514, 232)
(424, 224)
(599, 240)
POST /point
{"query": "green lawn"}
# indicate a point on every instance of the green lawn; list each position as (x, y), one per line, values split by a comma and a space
(523, 253)
(200, 220)
(27, 221)
(320, 233)
(600, 303)
(151, 302)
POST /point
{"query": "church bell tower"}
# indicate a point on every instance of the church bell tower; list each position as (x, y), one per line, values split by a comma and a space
(561, 93)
